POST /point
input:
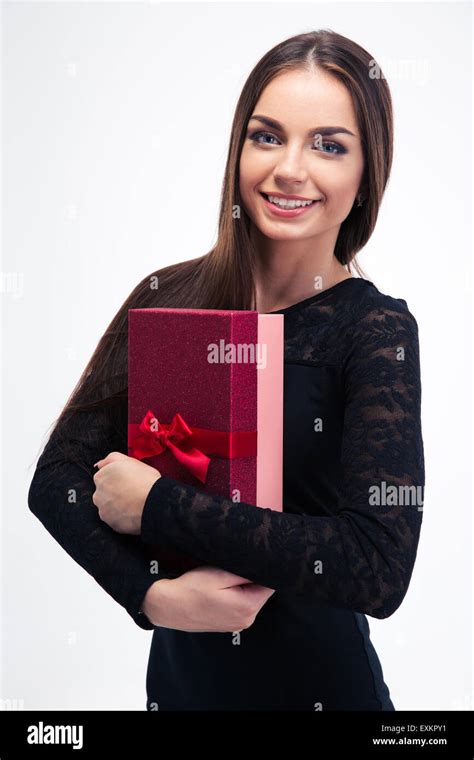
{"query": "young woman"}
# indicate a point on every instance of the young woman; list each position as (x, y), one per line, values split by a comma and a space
(275, 618)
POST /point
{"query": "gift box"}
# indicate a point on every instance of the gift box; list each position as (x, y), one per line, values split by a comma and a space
(205, 404)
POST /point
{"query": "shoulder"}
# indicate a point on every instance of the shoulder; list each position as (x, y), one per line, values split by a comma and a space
(382, 345)
(355, 315)
(377, 316)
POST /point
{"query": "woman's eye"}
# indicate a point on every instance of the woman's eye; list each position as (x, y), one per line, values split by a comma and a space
(256, 135)
(335, 148)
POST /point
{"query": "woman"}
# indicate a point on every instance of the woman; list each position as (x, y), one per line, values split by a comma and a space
(275, 618)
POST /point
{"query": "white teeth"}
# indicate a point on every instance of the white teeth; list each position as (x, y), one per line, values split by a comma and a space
(287, 203)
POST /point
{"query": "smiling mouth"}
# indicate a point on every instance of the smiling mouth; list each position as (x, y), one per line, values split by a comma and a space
(288, 203)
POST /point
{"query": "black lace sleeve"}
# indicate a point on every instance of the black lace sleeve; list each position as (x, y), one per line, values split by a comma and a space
(60, 495)
(362, 557)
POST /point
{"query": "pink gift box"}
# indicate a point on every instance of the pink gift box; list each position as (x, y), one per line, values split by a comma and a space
(205, 403)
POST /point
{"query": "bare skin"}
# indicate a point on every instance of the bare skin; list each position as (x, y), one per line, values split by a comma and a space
(205, 599)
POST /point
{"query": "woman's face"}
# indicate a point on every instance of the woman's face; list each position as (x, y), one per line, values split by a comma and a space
(311, 149)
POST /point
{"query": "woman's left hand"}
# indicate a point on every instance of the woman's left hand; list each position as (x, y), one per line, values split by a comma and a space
(122, 486)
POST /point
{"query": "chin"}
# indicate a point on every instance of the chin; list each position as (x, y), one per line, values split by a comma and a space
(282, 235)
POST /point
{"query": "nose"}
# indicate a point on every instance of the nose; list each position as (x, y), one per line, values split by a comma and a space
(291, 168)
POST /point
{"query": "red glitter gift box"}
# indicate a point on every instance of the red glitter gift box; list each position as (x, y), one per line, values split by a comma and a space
(205, 403)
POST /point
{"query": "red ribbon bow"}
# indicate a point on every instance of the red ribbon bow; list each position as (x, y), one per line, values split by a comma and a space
(151, 438)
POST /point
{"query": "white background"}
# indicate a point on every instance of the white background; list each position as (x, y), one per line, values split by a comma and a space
(115, 121)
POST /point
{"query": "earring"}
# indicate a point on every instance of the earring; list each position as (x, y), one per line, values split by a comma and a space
(359, 200)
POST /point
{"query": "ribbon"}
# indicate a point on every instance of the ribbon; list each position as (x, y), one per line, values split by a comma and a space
(189, 445)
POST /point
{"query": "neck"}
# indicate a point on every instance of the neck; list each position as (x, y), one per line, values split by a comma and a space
(290, 271)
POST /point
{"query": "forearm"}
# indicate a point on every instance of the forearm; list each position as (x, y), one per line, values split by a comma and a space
(350, 560)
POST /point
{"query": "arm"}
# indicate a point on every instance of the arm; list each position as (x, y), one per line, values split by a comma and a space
(367, 550)
(60, 495)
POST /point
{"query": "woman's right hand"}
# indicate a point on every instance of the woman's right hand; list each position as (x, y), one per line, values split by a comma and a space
(205, 599)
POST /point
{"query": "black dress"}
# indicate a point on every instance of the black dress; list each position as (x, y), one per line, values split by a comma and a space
(344, 547)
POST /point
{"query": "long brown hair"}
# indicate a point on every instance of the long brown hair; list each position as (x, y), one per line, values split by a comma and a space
(224, 277)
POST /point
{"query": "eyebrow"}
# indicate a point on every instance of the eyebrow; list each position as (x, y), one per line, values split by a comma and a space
(274, 124)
